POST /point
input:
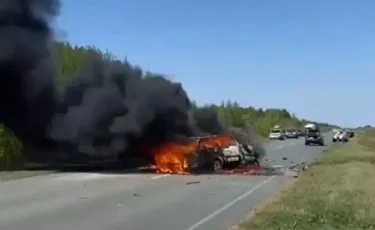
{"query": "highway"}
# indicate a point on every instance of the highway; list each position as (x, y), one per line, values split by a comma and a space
(93, 201)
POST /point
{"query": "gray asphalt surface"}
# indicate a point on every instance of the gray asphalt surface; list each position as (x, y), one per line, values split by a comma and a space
(93, 201)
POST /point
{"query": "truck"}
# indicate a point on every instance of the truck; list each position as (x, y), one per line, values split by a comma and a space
(313, 135)
(214, 158)
(311, 126)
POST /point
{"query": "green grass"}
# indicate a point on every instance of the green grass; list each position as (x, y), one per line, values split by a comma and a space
(336, 192)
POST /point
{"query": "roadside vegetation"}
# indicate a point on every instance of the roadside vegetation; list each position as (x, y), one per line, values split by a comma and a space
(336, 192)
(69, 60)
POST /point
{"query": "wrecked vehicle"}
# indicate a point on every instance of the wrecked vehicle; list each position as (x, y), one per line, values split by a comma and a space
(215, 157)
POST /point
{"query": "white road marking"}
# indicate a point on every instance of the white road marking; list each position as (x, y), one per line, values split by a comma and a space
(160, 176)
(292, 143)
(280, 147)
(230, 204)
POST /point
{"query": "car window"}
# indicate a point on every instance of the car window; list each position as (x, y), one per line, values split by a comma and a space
(275, 131)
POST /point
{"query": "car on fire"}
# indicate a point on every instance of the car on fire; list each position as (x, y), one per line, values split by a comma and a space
(214, 158)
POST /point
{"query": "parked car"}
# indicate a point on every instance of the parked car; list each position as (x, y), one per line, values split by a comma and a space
(277, 134)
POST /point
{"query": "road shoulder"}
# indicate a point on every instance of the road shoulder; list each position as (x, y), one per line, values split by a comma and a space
(336, 192)
(21, 174)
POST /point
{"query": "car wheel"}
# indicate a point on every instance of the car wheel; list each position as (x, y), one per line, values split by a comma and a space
(217, 165)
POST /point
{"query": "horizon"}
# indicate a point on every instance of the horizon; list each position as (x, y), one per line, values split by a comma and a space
(313, 59)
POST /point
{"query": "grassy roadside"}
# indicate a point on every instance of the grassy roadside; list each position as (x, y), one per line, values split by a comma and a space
(19, 174)
(336, 192)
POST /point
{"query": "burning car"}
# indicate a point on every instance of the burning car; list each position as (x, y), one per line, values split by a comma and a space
(209, 153)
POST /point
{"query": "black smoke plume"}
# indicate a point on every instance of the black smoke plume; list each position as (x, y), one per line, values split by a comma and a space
(27, 95)
(106, 111)
(207, 121)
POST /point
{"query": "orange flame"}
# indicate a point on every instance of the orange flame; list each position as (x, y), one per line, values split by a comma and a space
(171, 157)
(215, 141)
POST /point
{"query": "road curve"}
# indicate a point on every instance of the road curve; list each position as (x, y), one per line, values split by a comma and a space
(89, 201)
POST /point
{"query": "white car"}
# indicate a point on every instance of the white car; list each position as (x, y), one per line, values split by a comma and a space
(336, 136)
(277, 134)
(344, 136)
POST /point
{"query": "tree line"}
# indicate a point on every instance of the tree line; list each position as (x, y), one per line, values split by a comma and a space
(69, 60)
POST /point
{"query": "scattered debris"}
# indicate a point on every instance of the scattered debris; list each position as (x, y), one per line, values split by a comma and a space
(285, 158)
(295, 169)
(193, 182)
(136, 194)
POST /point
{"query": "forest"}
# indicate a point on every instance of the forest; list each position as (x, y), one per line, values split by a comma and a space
(70, 59)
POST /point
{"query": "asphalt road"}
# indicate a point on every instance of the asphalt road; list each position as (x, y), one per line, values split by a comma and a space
(89, 201)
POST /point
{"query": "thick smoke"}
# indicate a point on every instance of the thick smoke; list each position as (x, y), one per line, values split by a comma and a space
(111, 103)
(207, 121)
(107, 110)
(246, 137)
(26, 88)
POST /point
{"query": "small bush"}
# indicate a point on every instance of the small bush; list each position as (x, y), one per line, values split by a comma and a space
(11, 156)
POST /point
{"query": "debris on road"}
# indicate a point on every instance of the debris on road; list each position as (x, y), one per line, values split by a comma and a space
(136, 194)
(295, 169)
(193, 182)
(285, 158)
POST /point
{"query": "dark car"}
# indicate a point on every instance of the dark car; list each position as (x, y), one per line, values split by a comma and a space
(314, 137)
(301, 133)
(291, 133)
